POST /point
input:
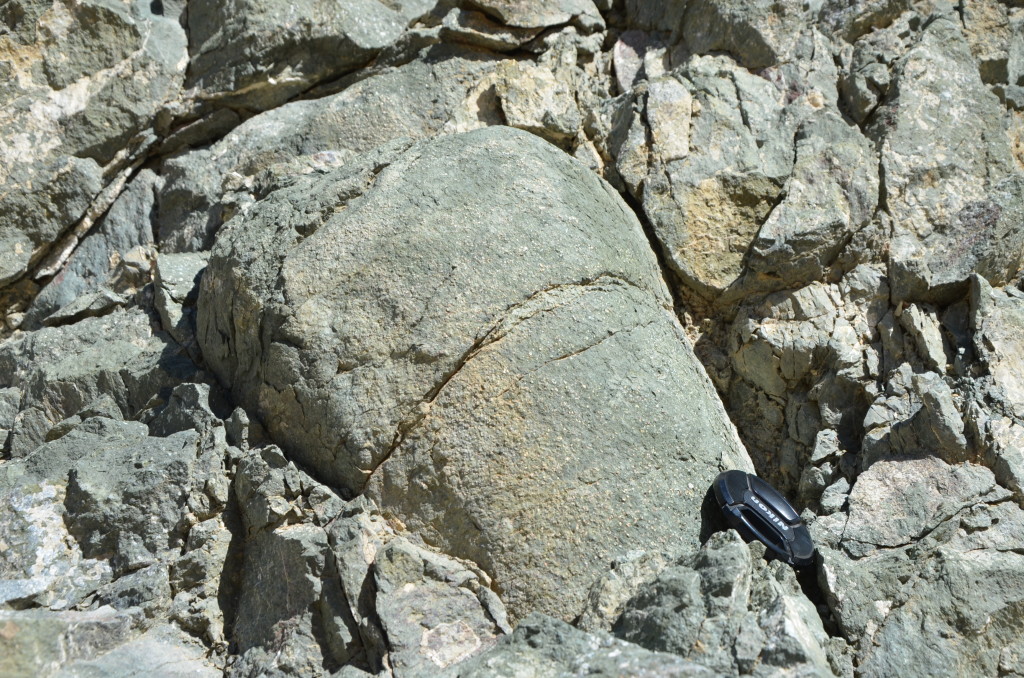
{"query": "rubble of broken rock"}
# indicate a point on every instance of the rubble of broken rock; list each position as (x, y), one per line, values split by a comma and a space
(405, 338)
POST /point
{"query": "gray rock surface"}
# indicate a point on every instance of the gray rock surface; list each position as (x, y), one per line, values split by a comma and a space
(84, 84)
(543, 646)
(176, 283)
(259, 54)
(63, 370)
(946, 602)
(941, 235)
(504, 379)
(475, 357)
(327, 584)
(204, 187)
(103, 500)
(726, 609)
(532, 13)
(124, 232)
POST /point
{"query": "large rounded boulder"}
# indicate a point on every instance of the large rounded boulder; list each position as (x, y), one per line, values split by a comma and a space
(473, 331)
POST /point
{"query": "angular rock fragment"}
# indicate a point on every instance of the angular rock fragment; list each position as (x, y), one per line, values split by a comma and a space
(725, 609)
(327, 584)
(163, 650)
(757, 34)
(987, 29)
(39, 642)
(474, 330)
(475, 28)
(947, 604)
(707, 206)
(851, 20)
(609, 595)
(177, 289)
(63, 370)
(534, 99)
(998, 320)
(94, 263)
(832, 193)
(535, 13)
(96, 643)
(804, 362)
(897, 501)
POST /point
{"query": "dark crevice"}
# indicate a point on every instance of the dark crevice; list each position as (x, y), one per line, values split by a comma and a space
(668, 275)
(17, 295)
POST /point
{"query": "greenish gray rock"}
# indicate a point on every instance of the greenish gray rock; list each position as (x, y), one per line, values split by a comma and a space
(917, 495)
(706, 205)
(946, 605)
(957, 205)
(62, 370)
(609, 595)
(726, 609)
(33, 220)
(382, 338)
(258, 53)
(99, 517)
(42, 564)
(429, 611)
(757, 34)
(477, 29)
(10, 403)
(471, 335)
(41, 642)
(89, 305)
(851, 20)
(111, 472)
(823, 206)
(96, 643)
(176, 283)
(539, 100)
(996, 318)
(126, 226)
(988, 32)
(548, 648)
(708, 148)
(327, 584)
(80, 109)
(204, 188)
(163, 650)
(537, 13)
(798, 363)
(867, 69)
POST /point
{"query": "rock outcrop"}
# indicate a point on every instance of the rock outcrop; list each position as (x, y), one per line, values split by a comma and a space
(405, 337)
(506, 370)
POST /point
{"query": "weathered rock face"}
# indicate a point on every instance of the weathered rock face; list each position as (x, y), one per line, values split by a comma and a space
(242, 51)
(114, 363)
(454, 382)
(957, 207)
(83, 86)
(939, 563)
(542, 646)
(726, 609)
(99, 524)
(471, 418)
(205, 187)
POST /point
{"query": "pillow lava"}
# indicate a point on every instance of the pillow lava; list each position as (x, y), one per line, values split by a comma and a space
(473, 331)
